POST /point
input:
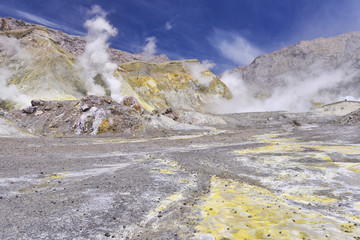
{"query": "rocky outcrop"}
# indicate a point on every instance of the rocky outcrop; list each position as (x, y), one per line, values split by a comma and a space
(301, 60)
(9, 129)
(91, 115)
(338, 108)
(8, 24)
(351, 118)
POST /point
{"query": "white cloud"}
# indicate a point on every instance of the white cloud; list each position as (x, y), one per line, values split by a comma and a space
(234, 47)
(168, 26)
(36, 19)
(150, 47)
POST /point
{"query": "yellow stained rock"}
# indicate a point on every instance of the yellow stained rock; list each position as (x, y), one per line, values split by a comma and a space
(166, 171)
(163, 85)
(55, 176)
(104, 126)
(306, 198)
(52, 73)
(164, 204)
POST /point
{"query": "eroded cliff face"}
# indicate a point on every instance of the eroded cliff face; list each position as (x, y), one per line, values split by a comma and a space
(50, 71)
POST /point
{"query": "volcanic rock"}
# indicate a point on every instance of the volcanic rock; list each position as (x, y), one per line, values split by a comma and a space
(169, 112)
(37, 102)
(171, 85)
(91, 115)
(28, 110)
(351, 118)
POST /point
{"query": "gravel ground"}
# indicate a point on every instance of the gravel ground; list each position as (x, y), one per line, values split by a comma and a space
(167, 187)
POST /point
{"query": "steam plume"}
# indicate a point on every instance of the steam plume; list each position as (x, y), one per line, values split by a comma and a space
(95, 60)
(317, 84)
(10, 91)
(11, 47)
(198, 71)
(13, 50)
(150, 47)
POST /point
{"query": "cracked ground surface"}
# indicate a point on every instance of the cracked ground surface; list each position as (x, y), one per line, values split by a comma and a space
(259, 177)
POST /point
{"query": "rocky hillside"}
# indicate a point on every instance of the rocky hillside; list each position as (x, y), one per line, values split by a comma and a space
(74, 44)
(44, 64)
(304, 61)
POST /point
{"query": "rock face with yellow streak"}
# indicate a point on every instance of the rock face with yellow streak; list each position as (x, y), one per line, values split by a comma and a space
(160, 86)
(45, 70)
(49, 71)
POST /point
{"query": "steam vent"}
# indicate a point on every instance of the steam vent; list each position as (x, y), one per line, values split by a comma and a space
(100, 143)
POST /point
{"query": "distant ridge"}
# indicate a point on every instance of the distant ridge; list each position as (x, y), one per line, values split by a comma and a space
(267, 71)
(76, 44)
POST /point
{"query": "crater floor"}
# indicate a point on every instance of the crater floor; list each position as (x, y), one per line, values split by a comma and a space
(268, 175)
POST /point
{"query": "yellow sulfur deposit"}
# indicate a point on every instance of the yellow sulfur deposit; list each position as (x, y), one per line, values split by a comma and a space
(104, 126)
(163, 85)
(305, 201)
(234, 210)
(51, 72)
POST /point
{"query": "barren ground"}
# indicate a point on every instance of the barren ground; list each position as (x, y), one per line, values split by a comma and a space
(261, 176)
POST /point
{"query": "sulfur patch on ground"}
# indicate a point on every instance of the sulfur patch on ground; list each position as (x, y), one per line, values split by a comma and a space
(236, 210)
(306, 195)
(252, 179)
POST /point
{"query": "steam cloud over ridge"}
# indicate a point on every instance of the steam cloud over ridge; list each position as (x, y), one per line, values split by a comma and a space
(12, 48)
(298, 93)
(150, 47)
(96, 60)
(197, 71)
(234, 47)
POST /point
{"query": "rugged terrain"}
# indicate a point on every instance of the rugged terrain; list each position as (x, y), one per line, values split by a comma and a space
(44, 64)
(73, 44)
(271, 175)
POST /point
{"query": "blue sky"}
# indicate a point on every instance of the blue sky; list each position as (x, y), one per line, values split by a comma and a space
(227, 32)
